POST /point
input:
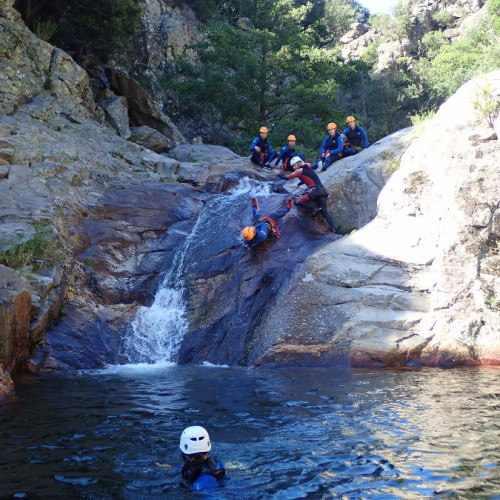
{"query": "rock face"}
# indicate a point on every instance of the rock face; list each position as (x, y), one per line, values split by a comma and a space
(167, 29)
(419, 285)
(33, 71)
(463, 16)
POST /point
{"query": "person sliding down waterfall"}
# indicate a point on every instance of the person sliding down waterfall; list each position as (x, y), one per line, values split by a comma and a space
(263, 227)
(200, 471)
(315, 191)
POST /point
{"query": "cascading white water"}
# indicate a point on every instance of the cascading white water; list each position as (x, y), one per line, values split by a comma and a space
(157, 331)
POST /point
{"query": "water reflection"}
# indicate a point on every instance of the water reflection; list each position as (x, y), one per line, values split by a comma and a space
(284, 434)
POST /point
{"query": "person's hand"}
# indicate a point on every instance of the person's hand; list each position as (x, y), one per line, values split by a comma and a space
(276, 171)
(327, 155)
(257, 149)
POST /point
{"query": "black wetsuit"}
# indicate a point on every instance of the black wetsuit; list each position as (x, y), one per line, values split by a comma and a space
(197, 465)
(315, 192)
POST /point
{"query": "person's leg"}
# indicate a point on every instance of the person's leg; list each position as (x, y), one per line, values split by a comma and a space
(348, 152)
(255, 210)
(306, 202)
(327, 162)
(326, 215)
(330, 160)
(255, 158)
(315, 165)
(279, 214)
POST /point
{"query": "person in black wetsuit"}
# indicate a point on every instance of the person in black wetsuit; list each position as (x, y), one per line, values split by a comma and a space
(263, 227)
(355, 137)
(195, 447)
(315, 191)
(287, 153)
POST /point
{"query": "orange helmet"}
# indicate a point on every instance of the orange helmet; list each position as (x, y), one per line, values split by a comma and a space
(350, 119)
(263, 129)
(331, 125)
(248, 233)
(291, 138)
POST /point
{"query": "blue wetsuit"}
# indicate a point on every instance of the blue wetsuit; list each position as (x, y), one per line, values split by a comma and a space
(356, 137)
(263, 228)
(267, 153)
(333, 145)
(286, 154)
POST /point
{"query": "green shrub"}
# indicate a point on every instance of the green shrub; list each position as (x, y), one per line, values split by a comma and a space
(45, 28)
(443, 19)
(457, 63)
(431, 43)
(494, 10)
(487, 105)
(39, 251)
(419, 120)
(404, 27)
(370, 55)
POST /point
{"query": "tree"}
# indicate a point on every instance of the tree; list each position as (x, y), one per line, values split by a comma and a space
(261, 67)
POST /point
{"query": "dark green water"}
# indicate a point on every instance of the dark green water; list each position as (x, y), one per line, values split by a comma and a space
(284, 434)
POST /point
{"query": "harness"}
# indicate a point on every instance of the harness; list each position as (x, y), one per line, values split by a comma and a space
(271, 224)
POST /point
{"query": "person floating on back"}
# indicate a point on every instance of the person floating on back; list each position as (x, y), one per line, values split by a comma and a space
(263, 227)
(287, 153)
(315, 191)
(331, 148)
(200, 471)
(356, 138)
(262, 152)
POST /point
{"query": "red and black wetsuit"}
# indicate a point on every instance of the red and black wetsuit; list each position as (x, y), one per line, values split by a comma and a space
(315, 191)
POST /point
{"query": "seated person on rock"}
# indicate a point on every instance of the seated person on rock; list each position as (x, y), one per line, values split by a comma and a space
(262, 152)
(200, 471)
(315, 191)
(287, 153)
(355, 137)
(331, 148)
(263, 227)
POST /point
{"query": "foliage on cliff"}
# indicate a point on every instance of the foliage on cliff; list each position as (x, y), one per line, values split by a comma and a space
(278, 64)
(85, 28)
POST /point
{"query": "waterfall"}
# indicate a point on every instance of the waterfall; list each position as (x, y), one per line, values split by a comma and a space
(157, 331)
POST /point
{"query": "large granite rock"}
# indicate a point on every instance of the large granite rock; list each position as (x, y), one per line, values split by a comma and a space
(32, 69)
(420, 283)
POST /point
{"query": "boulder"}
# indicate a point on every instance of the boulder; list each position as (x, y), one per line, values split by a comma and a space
(142, 110)
(202, 153)
(116, 110)
(419, 285)
(151, 139)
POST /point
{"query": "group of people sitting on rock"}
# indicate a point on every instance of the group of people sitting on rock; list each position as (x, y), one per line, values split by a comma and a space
(334, 147)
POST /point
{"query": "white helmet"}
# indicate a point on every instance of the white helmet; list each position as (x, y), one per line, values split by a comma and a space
(294, 160)
(195, 439)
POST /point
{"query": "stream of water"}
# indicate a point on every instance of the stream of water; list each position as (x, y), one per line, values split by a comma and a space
(283, 434)
(157, 331)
